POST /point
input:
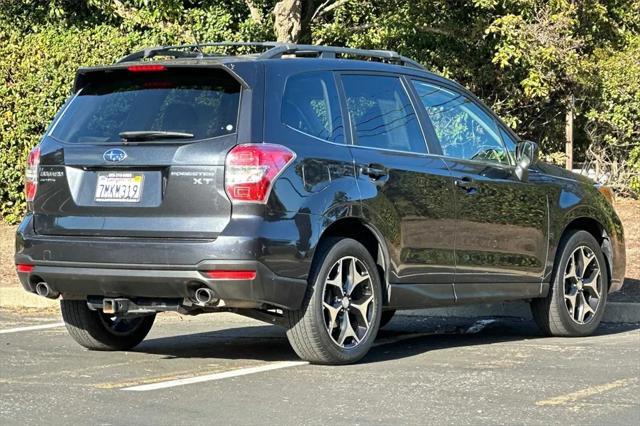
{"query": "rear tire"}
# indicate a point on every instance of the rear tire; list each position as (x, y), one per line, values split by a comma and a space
(578, 291)
(100, 332)
(340, 314)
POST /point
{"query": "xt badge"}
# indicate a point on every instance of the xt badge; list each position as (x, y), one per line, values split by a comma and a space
(202, 181)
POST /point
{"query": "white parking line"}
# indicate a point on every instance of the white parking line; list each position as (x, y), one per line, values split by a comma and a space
(216, 376)
(32, 327)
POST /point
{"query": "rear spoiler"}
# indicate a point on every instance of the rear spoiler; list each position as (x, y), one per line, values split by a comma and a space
(83, 73)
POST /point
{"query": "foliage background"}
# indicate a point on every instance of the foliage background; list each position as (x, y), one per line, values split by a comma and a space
(524, 58)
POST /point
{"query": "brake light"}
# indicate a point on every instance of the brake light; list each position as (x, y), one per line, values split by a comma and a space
(24, 268)
(251, 170)
(147, 68)
(231, 275)
(31, 174)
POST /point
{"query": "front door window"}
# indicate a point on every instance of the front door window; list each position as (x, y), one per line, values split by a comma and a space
(463, 129)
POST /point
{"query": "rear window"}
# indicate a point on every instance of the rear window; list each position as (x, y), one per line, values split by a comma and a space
(201, 102)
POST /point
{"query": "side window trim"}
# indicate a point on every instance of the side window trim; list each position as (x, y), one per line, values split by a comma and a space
(416, 109)
(428, 132)
(346, 117)
(351, 134)
(456, 91)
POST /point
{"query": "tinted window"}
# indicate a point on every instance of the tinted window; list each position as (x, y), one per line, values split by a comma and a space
(201, 102)
(382, 114)
(310, 105)
(464, 130)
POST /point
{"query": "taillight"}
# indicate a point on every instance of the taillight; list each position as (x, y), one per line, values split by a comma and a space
(251, 170)
(31, 174)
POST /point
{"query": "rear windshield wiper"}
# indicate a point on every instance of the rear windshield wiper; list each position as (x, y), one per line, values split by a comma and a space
(150, 135)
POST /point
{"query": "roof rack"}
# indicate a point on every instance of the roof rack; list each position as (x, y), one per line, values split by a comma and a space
(190, 50)
(273, 50)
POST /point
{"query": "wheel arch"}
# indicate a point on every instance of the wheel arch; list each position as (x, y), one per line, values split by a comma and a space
(369, 237)
(599, 232)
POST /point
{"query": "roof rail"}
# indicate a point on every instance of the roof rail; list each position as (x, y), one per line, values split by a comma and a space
(332, 52)
(273, 50)
(192, 50)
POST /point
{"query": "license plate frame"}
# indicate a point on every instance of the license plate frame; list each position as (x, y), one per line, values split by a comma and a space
(119, 187)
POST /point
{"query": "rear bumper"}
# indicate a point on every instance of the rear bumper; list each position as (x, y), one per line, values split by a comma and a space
(133, 281)
(79, 267)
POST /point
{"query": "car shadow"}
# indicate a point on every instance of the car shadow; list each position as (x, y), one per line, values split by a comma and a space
(401, 339)
(501, 331)
(263, 343)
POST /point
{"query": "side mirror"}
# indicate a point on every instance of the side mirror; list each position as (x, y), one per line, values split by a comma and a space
(526, 155)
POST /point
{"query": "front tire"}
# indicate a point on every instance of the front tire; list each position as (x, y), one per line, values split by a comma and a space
(340, 314)
(578, 292)
(101, 332)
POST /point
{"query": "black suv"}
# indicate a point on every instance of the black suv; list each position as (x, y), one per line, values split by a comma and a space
(319, 188)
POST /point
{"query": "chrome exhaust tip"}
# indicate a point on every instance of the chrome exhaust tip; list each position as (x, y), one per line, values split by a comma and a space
(205, 296)
(43, 289)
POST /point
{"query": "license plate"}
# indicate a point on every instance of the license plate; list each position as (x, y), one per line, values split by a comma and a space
(119, 187)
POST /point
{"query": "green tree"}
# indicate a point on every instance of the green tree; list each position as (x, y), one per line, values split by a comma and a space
(521, 57)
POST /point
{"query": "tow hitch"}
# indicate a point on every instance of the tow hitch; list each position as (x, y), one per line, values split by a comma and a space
(123, 306)
(116, 306)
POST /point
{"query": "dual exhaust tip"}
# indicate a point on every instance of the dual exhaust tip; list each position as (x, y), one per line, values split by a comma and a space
(203, 296)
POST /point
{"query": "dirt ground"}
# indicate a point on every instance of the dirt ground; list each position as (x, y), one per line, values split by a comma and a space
(628, 210)
(7, 248)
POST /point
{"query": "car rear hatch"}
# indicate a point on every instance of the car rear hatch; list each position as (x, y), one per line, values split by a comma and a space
(139, 151)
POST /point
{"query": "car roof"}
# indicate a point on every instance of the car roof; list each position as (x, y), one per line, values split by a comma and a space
(291, 65)
(297, 57)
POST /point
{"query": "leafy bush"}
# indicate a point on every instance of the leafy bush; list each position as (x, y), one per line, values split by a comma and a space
(38, 71)
(41, 46)
(614, 117)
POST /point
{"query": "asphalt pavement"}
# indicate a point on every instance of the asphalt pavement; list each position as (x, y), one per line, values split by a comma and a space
(226, 369)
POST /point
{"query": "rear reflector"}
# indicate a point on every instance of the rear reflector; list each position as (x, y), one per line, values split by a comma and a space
(24, 268)
(147, 68)
(231, 275)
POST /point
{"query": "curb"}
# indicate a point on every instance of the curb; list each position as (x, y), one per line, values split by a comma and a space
(616, 312)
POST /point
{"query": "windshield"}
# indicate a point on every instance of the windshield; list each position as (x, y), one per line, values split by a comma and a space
(199, 102)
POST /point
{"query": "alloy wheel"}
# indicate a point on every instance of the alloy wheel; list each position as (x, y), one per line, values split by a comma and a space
(348, 302)
(582, 285)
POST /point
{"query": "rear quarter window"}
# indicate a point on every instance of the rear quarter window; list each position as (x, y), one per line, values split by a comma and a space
(310, 105)
(202, 102)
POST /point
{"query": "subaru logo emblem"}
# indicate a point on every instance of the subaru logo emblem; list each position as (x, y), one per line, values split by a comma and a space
(114, 155)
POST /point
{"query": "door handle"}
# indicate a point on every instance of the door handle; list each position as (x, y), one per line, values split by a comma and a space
(465, 183)
(374, 171)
